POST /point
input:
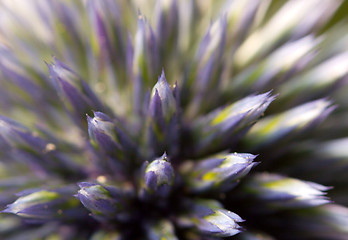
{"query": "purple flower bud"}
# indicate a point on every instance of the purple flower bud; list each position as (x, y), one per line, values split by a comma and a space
(110, 139)
(219, 129)
(162, 119)
(105, 203)
(102, 134)
(210, 218)
(220, 173)
(165, 94)
(48, 205)
(158, 178)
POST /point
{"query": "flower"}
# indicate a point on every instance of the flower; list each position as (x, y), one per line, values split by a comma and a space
(173, 119)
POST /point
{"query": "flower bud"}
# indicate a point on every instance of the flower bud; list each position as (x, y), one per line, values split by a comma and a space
(166, 96)
(102, 132)
(218, 130)
(109, 138)
(47, 205)
(220, 173)
(162, 122)
(210, 218)
(105, 203)
(158, 178)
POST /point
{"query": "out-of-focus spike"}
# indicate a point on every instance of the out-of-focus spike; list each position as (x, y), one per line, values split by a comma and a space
(77, 96)
(39, 154)
(293, 121)
(161, 230)
(284, 25)
(281, 192)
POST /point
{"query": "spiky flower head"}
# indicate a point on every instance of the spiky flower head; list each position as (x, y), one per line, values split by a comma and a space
(173, 119)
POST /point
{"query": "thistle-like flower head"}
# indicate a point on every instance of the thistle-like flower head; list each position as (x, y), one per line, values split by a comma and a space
(173, 119)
